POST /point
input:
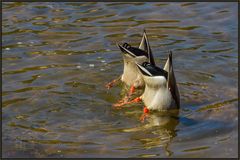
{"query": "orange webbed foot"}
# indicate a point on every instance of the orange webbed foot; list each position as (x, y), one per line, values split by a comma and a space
(145, 114)
(112, 83)
(138, 99)
(109, 85)
(125, 101)
(132, 90)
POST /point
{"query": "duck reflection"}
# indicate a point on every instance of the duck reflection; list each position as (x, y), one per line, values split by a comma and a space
(158, 130)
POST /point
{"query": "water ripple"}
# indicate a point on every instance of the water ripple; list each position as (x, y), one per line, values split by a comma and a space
(57, 58)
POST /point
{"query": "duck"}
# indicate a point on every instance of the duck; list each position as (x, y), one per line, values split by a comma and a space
(161, 91)
(132, 55)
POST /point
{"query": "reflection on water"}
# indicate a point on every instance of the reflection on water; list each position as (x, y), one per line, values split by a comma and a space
(57, 57)
(161, 130)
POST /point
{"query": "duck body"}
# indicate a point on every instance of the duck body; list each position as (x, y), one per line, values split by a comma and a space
(156, 95)
(131, 75)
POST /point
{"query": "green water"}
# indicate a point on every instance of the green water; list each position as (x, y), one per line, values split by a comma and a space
(57, 57)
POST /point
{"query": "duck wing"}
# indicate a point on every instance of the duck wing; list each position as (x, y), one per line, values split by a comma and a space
(144, 45)
(132, 51)
(171, 84)
(148, 69)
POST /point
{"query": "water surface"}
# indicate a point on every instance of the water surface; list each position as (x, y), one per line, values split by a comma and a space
(58, 56)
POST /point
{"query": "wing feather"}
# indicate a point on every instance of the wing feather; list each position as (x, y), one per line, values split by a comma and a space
(144, 45)
(123, 49)
(172, 85)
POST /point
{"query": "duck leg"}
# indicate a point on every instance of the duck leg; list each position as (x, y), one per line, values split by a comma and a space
(145, 114)
(127, 97)
(112, 83)
(131, 91)
(121, 103)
